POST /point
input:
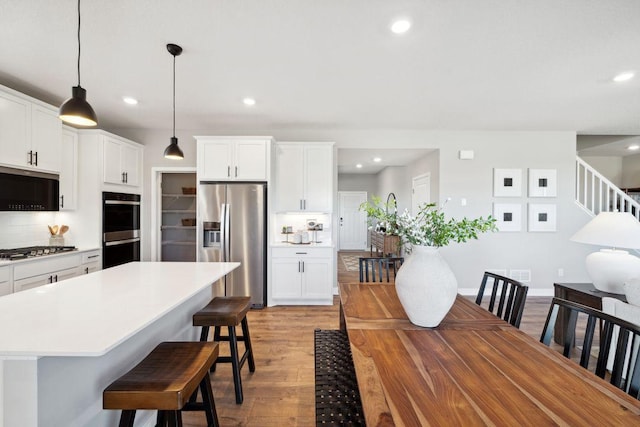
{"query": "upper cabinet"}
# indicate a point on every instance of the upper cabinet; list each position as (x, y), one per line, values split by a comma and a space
(69, 169)
(30, 132)
(304, 177)
(121, 162)
(233, 158)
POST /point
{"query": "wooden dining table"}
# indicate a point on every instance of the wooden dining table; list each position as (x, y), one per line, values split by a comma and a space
(474, 369)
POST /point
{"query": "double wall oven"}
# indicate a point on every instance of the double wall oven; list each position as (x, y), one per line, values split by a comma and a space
(120, 228)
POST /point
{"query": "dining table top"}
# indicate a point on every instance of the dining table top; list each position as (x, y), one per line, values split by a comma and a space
(474, 369)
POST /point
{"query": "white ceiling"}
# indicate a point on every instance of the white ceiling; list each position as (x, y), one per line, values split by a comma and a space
(465, 64)
(348, 158)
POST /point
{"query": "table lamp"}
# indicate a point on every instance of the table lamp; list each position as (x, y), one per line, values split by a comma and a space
(609, 269)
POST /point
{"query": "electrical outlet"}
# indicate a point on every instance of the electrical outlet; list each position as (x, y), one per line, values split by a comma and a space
(561, 272)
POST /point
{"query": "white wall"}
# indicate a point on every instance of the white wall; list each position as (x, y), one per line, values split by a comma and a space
(22, 229)
(631, 171)
(394, 179)
(427, 164)
(358, 182)
(542, 253)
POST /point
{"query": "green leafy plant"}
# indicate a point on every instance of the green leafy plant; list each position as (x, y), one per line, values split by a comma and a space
(381, 216)
(428, 227)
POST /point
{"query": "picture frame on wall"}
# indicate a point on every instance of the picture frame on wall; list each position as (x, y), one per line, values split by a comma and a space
(542, 217)
(508, 216)
(543, 183)
(507, 182)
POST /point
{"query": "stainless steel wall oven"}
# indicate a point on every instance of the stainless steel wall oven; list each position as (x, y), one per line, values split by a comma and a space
(120, 228)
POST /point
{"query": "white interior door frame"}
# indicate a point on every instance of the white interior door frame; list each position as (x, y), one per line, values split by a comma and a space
(420, 191)
(156, 205)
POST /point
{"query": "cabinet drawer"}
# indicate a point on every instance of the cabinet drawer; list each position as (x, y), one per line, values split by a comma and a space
(45, 266)
(5, 274)
(91, 256)
(302, 251)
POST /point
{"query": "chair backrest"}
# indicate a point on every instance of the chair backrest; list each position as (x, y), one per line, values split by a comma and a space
(511, 296)
(623, 348)
(378, 267)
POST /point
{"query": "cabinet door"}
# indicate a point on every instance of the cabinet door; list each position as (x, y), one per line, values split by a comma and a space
(32, 282)
(68, 170)
(214, 160)
(6, 284)
(318, 178)
(130, 162)
(289, 182)
(250, 160)
(15, 130)
(46, 138)
(286, 278)
(316, 279)
(111, 161)
(61, 275)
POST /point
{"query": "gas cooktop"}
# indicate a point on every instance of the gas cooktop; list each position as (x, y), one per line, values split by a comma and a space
(32, 251)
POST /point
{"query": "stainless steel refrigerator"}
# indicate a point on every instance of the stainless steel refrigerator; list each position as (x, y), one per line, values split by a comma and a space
(231, 227)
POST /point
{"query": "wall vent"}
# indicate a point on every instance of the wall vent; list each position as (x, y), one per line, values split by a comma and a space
(523, 276)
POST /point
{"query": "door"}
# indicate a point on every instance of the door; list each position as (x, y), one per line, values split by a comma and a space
(211, 205)
(246, 242)
(111, 161)
(214, 161)
(289, 182)
(420, 192)
(46, 137)
(353, 221)
(250, 161)
(318, 181)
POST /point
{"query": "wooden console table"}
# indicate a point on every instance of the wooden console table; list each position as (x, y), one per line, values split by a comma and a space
(385, 243)
(582, 293)
(474, 369)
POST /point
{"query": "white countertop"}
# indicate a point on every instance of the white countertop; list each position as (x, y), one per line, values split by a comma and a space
(91, 314)
(37, 258)
(327, 244)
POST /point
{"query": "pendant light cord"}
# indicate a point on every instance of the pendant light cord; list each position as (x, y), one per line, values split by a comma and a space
(78, 43)
(174, 96)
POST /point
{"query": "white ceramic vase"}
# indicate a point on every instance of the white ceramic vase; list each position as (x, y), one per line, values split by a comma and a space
(632, 291)
(426, 286)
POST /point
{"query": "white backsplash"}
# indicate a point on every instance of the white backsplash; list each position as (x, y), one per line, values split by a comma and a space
(20, 229)
(299, 222)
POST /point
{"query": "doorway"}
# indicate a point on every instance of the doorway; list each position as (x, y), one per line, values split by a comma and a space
(352, 221)
(173, 214)
(420, 191)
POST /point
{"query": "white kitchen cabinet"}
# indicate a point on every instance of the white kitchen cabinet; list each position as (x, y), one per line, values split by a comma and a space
(121, 162)
(91, 261)
(233, 158)
(304, 177)
(69, 169)
(302, 276)
(30, 132)
(6, 281)
(43, 271)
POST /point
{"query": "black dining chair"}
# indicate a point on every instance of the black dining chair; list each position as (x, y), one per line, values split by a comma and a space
(511, 296)
(618, 340)
(378, 267)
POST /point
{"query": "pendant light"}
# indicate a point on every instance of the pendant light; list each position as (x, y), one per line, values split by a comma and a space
(76, 110)
(173, 151)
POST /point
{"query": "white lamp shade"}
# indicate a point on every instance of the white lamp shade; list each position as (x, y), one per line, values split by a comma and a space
(612, 229)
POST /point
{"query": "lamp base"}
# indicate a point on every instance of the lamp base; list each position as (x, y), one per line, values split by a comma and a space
(610, 269)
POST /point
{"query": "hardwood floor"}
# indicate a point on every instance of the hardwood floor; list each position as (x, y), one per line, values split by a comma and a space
(281, 390)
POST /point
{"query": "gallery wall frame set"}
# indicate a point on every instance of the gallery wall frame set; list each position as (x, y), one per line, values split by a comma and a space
(541, 217)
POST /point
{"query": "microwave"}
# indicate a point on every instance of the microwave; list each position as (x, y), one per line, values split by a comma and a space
(26, 190)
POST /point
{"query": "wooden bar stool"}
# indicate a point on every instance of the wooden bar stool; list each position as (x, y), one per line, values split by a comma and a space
(228, 311)
(165, 380)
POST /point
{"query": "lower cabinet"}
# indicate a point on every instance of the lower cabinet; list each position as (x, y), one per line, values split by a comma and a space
(44, 271)
(6, 281)
(45, 279)
(302, 276)
(91, 261)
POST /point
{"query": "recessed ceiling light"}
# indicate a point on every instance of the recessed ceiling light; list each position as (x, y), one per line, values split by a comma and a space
(130, 100)
(377, 159)
(623, 77)
(359, 165)
(400, 26)
(633, 147)
(249, 102)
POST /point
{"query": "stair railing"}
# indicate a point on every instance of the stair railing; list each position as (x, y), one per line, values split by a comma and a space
(595, 193)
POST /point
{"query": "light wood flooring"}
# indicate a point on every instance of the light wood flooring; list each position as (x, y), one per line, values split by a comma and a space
(281, 390)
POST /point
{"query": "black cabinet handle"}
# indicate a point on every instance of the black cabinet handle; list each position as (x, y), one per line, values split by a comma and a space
(62, 201)
(30, 161)
(36, 156)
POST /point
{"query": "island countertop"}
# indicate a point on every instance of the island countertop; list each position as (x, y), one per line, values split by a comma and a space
(91, 314)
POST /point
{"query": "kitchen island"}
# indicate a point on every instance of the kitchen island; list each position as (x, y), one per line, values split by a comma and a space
(62, 344)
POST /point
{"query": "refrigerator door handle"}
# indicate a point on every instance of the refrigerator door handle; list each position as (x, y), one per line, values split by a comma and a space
(223, 232)
(227, 233)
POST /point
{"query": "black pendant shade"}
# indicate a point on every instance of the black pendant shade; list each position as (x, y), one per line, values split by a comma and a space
(76, 110)
(173, 151)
